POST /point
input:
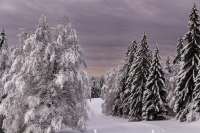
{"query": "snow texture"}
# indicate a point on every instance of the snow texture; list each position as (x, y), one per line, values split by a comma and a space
(46, 89)
(110, 124)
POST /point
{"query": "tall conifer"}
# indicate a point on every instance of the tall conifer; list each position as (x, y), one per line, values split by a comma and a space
(179, 47)
(154, 97)
(189, 68)
(121, 84)
(138, 74)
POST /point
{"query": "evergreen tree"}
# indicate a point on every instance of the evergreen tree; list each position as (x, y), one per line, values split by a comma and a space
(168, 65)
(154, 97)
(179, 47)
(168, 72)
(137, 79)
(132, 52)
(121, 84)
(46, 89)
(194, 110)
(175, 68)
(109, 89)
(126, 93)
(101, 81)
(171, 98)
(4, 67)
(189, 67)
(95, 87)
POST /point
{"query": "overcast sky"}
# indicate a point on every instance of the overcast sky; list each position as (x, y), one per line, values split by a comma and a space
(105, 27)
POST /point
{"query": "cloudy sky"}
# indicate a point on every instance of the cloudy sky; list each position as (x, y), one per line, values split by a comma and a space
(105, 27)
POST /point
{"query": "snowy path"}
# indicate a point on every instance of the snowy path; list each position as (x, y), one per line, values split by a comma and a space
(110, 124)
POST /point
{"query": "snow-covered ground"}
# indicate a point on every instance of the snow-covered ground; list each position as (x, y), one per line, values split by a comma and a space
(109, 124)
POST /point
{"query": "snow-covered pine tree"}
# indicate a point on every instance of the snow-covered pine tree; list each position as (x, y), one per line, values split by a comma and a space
(194, 111)
(132, 52)
(109, 89)
(169, 84)
(171, 98)
(168, 65)
(154, 97)
(126, 93)
(121, 84)
(101, 81)
(138, 74)
(4, 67)
(95, 87)
(168, 72)
(189, 67)
(179, 47)
(46, 89)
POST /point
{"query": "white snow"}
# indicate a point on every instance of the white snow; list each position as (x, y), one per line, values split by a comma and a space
(110, 124)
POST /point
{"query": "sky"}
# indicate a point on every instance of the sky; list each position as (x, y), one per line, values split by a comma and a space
(105, 28)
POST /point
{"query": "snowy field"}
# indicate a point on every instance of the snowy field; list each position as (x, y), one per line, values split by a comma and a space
(110, 124)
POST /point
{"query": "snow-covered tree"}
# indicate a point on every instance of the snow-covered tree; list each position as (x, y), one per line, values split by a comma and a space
(109, 89)
(95, 87)
(46, 89)
(179, 47)
(168, 65)
(138, 74)
(131, 54)
(168, 72)
(126, 93)
(4, 66)
(121, 84)
(189, 67)
(101, 81)
(194, 110)
(154, 97)
(175, 68)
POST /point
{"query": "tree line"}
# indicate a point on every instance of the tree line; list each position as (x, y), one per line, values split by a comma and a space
(141, 89)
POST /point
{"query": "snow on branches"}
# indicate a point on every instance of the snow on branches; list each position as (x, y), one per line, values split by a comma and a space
(46, 88)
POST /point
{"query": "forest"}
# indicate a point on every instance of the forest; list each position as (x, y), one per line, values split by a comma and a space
(44, 90)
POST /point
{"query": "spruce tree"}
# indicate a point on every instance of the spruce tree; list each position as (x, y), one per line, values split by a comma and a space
(121, 84)
(168, 65)
(179, 47)
(101, 81)
(189, 67)
(46, 89)
(194, 109)
(168, 72)
(175, 68)
(126, 93)
(95, 87)
(137, 79)
(154, 97)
